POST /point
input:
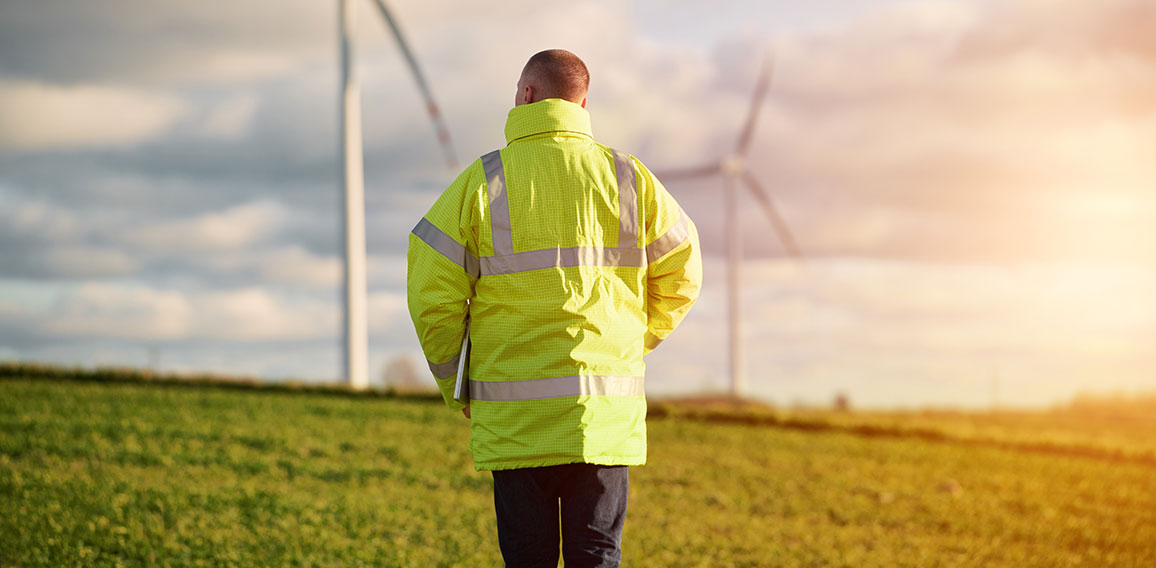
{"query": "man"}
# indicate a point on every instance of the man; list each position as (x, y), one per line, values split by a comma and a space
(569, 261)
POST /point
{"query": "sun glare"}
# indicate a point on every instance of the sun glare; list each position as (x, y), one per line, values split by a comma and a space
(1118, 226)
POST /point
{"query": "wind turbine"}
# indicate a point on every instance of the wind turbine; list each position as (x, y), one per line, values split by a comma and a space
(356, 332)
(734, 170)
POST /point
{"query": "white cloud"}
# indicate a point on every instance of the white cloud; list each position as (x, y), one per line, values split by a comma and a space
(168, 42)
(135, 311)
(237, 227)
(255, 314)
(231, 119)
(387, 269)
(37, 116)
(110, 311)
(295, 265)
(902, 333)
(139, 312)
(85, 260)
(387, 311)
(32, 217)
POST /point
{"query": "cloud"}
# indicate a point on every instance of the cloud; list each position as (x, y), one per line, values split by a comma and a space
(238, 227)
(23, 218)
(136, 41)
(888, 136)
(932, 129)
(139, 312)
(295, 265)
(120, 311)
(89, 261)
(106, 310)
(1109, 28)
(893, 333)
(261, 241)
(42, 239)
(231, 119)
(387, 312)
(37, 116)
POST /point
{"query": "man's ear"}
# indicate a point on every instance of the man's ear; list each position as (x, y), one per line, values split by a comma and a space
(527, 94)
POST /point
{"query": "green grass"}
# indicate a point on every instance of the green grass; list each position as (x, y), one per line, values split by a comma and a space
(127, 473)
(1116, 429)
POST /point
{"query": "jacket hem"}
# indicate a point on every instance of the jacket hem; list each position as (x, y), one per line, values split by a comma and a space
(561, 460)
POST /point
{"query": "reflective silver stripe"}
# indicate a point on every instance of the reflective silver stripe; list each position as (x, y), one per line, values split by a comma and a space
(673, 237)
(561, 258)
(447, 369)
(499, 203)
(505, 261)
(627, 200)
(447, 246)
(556, 387)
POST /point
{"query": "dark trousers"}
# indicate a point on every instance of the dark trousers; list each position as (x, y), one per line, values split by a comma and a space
(589, 502)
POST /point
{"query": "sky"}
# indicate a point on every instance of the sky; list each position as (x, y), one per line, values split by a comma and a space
(972, 183)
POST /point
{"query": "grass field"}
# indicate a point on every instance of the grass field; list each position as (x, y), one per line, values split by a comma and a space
(110, 474)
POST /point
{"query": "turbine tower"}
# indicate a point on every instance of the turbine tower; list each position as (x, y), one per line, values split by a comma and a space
(734, 170)
(355, 327)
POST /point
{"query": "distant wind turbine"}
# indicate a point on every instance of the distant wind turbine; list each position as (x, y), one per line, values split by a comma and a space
(734, 171)
(356, 334)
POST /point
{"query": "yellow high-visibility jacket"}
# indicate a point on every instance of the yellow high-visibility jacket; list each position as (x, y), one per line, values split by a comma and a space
(571, 262)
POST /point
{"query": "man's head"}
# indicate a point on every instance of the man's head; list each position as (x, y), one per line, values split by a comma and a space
(553, 74)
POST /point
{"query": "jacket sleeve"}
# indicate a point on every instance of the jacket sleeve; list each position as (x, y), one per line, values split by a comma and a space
(441, 270)
(674, 260)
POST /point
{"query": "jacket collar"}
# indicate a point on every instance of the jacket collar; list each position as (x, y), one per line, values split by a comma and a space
(550, 115)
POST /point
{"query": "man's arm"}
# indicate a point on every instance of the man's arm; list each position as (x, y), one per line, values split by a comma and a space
(674, 261)
(442, 267)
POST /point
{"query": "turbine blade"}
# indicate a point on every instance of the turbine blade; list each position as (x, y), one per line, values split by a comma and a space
(688, 174)
(764, 199)
(756, 104)
(443, 133)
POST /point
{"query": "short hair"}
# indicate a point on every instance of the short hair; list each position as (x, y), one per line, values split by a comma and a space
(559, 74)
